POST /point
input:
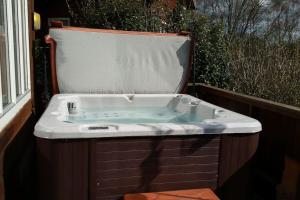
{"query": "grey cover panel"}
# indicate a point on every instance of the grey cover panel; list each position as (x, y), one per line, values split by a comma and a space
(103, 62)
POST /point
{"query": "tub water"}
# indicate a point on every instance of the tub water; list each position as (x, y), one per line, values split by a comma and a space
(135, 115)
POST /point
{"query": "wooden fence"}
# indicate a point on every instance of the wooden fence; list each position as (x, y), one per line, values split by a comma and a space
(276, 165)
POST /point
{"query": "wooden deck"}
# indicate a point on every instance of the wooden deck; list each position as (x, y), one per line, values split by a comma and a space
(195, 194)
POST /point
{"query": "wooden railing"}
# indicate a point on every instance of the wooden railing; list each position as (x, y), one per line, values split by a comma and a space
(277, 160)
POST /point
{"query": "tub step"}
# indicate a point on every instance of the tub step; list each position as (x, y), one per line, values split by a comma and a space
(194, 194)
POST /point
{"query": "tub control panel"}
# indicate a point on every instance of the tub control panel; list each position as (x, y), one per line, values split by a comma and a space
(98, 127)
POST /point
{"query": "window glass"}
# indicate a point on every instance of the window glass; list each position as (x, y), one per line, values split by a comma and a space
(16, 38)
(25, 43)
(4, 64)
(14, 58)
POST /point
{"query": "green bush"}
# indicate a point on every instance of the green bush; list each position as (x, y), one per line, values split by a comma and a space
(211, 55)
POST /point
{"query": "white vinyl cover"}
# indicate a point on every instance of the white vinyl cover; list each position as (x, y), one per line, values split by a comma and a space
(112, 62)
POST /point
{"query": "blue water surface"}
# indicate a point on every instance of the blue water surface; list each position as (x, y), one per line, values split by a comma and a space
(129, 115)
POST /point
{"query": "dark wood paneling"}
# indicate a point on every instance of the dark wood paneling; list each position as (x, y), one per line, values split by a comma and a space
(181, 169)
(278, 141)
(145, 144)
(19, 168)
(166, 161)
(154, 164)
(140, 154)
(108, 168)
(236, 160)
(54, 83)
(209, 92)
(62, 169)
(236, 150)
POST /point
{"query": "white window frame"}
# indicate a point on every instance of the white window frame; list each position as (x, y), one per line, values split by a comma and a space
(8, 112)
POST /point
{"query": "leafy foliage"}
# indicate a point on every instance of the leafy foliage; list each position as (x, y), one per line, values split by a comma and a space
(270, 71)
(263, 47)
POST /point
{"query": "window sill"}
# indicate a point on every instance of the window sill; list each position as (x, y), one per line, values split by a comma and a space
(12, 109)
(14, 120)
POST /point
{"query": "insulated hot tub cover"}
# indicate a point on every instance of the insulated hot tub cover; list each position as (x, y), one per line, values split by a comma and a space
(108, 61)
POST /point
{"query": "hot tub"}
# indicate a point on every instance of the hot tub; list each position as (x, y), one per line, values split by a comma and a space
(137, 115)
(119, 123)
(104, 146)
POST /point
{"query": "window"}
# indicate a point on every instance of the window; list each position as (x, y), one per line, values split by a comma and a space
(14, 58)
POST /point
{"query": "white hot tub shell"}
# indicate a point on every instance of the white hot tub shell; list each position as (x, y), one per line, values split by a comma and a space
(121, 115)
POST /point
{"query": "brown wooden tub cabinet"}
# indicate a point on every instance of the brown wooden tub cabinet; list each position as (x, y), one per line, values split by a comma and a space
(106, 169)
